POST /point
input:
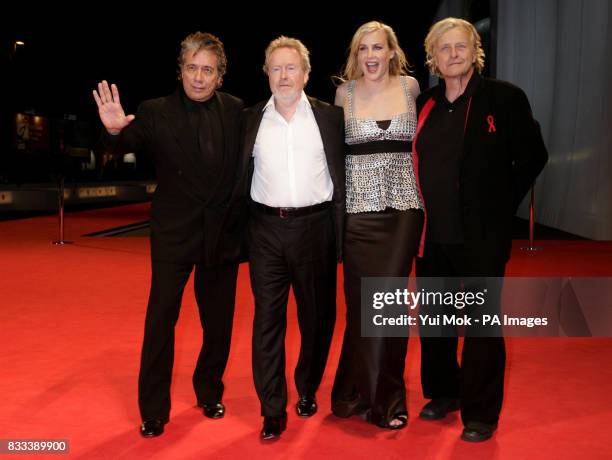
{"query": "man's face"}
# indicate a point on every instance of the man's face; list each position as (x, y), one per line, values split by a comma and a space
(286, 75)
(454, 53)
(199, 75)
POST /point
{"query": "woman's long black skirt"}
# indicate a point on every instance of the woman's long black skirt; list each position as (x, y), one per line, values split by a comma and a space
(370, 376)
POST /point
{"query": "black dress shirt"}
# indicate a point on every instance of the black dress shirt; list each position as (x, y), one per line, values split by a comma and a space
(205, 119)
(440, 145)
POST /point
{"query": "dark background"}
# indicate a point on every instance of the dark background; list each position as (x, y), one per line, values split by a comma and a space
(67, 52)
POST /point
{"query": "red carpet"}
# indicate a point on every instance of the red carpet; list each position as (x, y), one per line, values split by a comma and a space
(72, 321)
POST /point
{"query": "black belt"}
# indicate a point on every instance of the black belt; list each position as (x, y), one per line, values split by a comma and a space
(285, 213)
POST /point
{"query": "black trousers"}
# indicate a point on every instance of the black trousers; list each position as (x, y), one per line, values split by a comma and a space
(215, 291)
(284, 252)
(479, 381)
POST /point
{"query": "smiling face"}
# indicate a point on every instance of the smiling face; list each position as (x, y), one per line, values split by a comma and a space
(374, 55)
(454, 54)
(286, 75)
(200, 75)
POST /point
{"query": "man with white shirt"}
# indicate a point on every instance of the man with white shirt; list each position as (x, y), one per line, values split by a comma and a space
(294, 162)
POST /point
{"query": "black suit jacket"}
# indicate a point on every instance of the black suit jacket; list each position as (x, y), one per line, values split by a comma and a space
(502, 154)
(186, 216)
(330, 120)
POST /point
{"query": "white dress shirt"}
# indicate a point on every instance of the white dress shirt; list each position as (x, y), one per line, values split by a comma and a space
(290, 164)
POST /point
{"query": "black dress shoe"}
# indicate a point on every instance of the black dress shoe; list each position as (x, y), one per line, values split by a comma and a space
(152, 428)
(306, 406)
(438, 408)
(273, 427)
(477, 431)
(214, 411)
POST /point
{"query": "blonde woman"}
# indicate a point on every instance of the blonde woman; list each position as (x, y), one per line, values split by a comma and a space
(384, 217)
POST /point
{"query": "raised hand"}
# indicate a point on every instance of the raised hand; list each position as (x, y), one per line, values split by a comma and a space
(111, 113)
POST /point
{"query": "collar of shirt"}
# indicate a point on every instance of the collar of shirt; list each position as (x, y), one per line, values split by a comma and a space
(194, 106)
(304, 103)
(440, 96)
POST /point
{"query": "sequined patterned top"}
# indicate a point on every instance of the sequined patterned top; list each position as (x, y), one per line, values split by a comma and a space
(379, 169)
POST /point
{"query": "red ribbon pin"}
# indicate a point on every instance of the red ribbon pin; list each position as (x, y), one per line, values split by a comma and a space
(491, 122)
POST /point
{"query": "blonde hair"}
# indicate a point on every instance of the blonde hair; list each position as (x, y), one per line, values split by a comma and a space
(398, 65)
(288, 42)
(439, 29)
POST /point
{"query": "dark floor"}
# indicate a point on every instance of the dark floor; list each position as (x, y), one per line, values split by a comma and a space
(520, 231)
(14, 215)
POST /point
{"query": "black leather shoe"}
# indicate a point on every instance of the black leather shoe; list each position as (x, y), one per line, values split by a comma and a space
(214, 411)
(477, 431)
(438, 408)
(306, 406)
(152, 428)
(273, 427)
